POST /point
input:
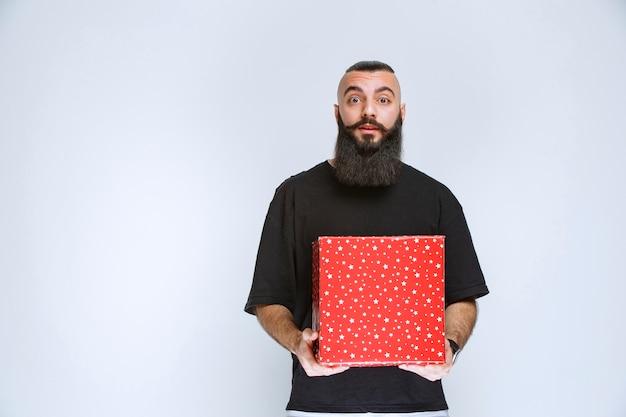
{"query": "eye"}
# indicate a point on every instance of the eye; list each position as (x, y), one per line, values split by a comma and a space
(353, 100)
(383, 100)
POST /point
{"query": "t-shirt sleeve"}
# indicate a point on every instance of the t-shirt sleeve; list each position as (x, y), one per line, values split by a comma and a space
(464, 277)
(274, 273)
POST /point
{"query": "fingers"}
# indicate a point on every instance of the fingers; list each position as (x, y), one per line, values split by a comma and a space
(430, 372)
(307, 358)
(315, 369)
(309, 336)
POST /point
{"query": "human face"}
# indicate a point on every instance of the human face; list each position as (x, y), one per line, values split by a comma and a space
(369, 103)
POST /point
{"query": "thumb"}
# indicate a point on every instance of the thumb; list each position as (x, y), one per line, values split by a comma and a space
(309, 335)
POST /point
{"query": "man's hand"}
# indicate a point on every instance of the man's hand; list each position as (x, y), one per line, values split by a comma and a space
(304, 352)
(277, 321)
(460, 320)
(432, 372)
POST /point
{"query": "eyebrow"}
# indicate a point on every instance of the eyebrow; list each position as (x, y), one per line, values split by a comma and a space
(360, 90)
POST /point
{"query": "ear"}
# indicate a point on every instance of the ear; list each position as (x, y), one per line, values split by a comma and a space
(336, 112)
(403, 110)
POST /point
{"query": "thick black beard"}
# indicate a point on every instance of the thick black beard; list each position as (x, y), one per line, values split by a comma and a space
(368, 163)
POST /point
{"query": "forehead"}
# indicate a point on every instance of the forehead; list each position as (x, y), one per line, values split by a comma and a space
(368, 82)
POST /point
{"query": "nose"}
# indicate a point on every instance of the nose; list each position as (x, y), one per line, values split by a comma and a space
(369, 110)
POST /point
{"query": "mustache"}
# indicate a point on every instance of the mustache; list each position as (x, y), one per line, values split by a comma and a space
(362, 122)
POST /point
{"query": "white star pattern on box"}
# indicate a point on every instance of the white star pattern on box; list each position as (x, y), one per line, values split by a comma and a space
(391, 303)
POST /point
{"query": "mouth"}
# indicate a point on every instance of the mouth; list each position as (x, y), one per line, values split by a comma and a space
(368, 127)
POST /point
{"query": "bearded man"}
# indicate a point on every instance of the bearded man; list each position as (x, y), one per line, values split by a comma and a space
(365, 190)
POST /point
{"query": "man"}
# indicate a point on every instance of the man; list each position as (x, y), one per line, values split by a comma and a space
(366, 190)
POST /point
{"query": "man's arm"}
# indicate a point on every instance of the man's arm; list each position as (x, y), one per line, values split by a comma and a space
(460, 319)
(277, 321)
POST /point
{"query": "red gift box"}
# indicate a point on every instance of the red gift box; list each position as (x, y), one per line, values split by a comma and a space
(379, 300)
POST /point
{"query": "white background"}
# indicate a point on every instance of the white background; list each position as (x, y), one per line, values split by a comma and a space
(141, 142)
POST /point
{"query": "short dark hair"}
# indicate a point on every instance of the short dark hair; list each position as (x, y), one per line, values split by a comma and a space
(370, 66)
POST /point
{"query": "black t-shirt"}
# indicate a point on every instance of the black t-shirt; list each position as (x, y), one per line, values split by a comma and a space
(314, 204)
